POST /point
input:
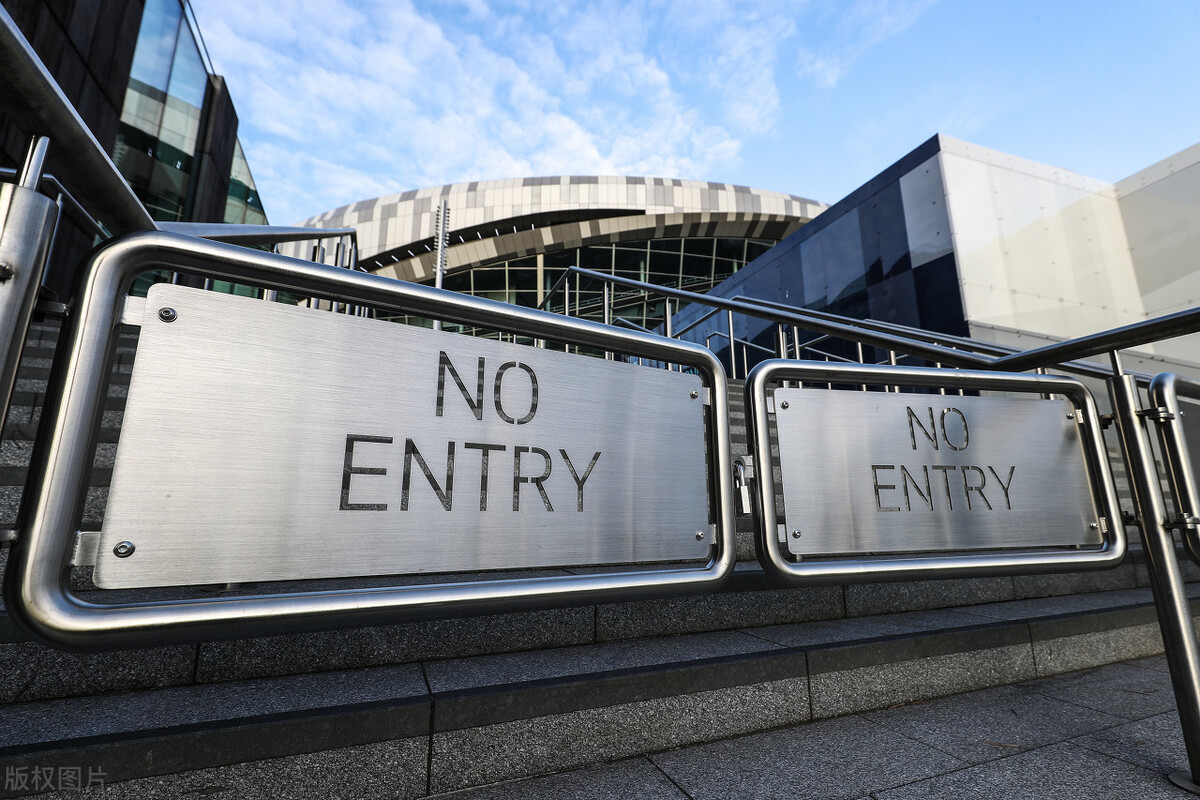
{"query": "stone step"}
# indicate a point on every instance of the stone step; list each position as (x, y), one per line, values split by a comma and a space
(34, 671)
(442, 724)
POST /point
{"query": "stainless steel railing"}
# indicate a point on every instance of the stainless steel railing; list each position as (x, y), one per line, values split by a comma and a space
(32, 99)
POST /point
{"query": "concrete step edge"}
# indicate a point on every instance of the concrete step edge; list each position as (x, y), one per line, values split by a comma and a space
(134, 751)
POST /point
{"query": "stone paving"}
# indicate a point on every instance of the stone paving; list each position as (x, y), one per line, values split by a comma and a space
(1109, 732)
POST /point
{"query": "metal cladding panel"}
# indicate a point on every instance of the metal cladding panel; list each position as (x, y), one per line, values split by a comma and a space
(268, 442)
(877, 472)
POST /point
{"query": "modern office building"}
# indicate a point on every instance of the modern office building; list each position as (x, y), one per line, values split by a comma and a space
(137, 73)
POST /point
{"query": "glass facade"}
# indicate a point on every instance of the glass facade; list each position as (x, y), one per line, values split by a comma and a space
(158, 147)
(696, 264)
(242, 205)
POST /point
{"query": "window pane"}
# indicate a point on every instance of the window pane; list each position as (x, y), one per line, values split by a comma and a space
(490, 283)
(458, 282)
(629, 263)
(755, 248)
(664, 268)
(562, 258)
(733, 249)
(189, 78)
(697, 269)
(596, 258)
(156, 43)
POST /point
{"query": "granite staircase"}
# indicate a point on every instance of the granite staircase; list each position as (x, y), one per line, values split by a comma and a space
(427, 708)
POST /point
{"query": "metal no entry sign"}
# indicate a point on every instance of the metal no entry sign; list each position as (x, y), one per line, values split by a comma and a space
(270, 443)
(901, 484)
(266, 442)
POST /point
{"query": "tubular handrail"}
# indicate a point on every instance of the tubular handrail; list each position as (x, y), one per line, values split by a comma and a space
(707, 316)
(840, 328)
(1089, 369)
(632, 325)
(250, 235)
(76, 207)
(1168, 326)
(736, 340)
(938, 347)
(31, 96)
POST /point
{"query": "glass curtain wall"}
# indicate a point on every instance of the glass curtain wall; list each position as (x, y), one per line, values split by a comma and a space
(242, 206)
(695, 264)
(160, 121)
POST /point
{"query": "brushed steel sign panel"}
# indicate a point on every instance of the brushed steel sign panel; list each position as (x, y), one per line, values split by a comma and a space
(267, 442)
(876, 472)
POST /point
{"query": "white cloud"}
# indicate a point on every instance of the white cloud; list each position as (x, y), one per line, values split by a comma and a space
(859, 27)
(336, 97)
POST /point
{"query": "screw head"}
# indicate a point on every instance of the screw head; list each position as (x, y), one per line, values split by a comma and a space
(796, 533)
(694, 394)
(167, 314)
(784, 404)
(699, 536)
(123, 549)
(1071, 415)
(6, 271)
(1094, 525)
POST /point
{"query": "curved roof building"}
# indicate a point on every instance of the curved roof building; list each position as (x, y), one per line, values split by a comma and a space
(503, 219)
(509, 239)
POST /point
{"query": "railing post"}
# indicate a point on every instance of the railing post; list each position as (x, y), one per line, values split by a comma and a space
(1162, 565)
(443, 239)
(26, 225)
(608, 315)
(732, 347)
(567, 307)
(667, 324)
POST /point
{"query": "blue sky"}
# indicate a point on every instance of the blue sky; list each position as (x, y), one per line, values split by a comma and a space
(341, 101)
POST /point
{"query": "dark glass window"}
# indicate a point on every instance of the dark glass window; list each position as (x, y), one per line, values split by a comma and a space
(458, 282)
(561, 258)
(629, 263)
(697, 270)
(490, 283)
(698, 247)
(522, 283)
(755, 248)
(596, 258)
(732, 249)
(664, 268)
(666, 245)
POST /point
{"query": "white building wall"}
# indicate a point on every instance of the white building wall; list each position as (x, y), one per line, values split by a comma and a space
(1160, 207)
(1039, 249)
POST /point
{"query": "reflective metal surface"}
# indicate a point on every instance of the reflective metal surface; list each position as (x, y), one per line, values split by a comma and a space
(876, 472)
(37, 589)
(26, 224)
(1171, 603)
(251, 235)
(1181, 476)
(267, 442)
(841, 492)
